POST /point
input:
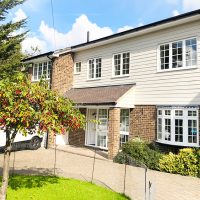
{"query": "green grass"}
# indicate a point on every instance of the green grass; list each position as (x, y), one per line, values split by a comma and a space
(51, 187)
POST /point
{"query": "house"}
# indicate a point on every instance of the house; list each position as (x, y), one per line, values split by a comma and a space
(144, 82)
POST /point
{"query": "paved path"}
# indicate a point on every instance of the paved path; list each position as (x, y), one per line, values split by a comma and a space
(78, 163)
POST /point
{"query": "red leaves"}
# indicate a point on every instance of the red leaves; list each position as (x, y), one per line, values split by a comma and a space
(18, 92)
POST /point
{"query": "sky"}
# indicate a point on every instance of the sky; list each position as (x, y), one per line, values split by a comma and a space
(73, 18)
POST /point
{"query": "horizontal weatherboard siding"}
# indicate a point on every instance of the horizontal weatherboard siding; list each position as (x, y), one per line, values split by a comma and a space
(152, 87)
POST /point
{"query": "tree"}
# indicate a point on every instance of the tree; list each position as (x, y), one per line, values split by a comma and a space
(10, 48)
(27, 107)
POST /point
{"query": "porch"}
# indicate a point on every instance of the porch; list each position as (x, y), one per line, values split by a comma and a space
(107, 110)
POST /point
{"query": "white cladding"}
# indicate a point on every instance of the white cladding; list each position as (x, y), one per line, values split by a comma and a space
(173, 87)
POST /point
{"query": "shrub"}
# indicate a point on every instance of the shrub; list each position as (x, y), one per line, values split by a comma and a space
(186, 162)
(138, 152)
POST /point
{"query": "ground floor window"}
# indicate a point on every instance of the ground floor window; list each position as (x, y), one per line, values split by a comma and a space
(124, 125)
(178, 125)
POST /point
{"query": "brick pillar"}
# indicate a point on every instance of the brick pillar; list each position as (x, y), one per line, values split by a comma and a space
(113, 132)
(30, 72)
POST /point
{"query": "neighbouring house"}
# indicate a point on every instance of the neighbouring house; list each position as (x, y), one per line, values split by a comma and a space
(144, 82)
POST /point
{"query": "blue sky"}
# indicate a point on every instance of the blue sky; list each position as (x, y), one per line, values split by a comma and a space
(73, 18)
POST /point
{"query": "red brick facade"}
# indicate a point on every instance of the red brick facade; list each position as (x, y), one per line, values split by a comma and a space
(143, 122)
(77, 137)
(113, 132)
(62, 73)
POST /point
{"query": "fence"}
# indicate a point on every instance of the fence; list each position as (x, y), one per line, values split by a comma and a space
(138, 183)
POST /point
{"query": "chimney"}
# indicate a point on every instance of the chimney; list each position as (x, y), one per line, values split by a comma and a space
(88, 36)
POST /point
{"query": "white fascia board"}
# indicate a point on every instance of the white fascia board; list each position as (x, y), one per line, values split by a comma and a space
(137, 33)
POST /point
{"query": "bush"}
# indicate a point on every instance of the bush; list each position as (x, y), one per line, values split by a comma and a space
(139, 152)
(186, 162)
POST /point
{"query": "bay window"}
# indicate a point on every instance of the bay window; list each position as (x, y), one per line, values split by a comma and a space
(178, 54)
(178, 126)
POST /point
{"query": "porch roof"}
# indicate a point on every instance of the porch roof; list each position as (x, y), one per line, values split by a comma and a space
(105, 95)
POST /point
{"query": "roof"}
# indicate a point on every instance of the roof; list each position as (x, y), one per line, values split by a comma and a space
(38, 56)
(139, 29)
(107, 95)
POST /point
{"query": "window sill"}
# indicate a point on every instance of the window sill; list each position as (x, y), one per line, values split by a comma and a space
(94, 79)
(121, 76)
(177, 143)
(77, 73)
(48, 79)
(177, 69)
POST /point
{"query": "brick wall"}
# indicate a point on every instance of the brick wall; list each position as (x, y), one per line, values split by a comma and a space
(143, 122)
(113, 132)
(77, 137)
(62, 73)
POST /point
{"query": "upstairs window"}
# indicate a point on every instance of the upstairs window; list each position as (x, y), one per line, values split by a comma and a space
(77, 69)
(95, 68)
(121, 64)
(178, 54)
(42, 70)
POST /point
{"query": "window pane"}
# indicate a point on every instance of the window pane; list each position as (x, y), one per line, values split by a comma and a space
(35, 69)
(164, 56)
(178, 130)
(192, 113)
(192, 131)
(123, 139)
(191, 52)
(91, 69)
(98, 68)
(177, 54)
(168, 129)
(124, 120)
(178, 113)
(126, 61)
(159, 128)
(40, 71)
(167, 112)
(78, 67)
(44, 70)
(117, 64)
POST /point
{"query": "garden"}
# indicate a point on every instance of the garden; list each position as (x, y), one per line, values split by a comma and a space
(52, 187)
(137, 152)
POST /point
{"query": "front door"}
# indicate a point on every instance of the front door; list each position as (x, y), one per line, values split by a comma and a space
(97, 133)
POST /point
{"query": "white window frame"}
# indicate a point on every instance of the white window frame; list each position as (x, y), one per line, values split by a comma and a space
(126, 133)
(170, 55)
(95, 67)
(172, 117)
(121, 65)
(75, 69)
(49, 63)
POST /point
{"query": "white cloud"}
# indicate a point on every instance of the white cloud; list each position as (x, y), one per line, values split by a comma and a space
(140, 24)
(33, 42)
(78, 33)
(175, 12)
(19, 15)
(189, 5)
(125, 28)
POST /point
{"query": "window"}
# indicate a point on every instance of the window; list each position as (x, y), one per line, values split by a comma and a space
(124, 126)
(77, 67)
(121, 64)
(42, 70)
(178, 54)
(178, 126)
(94, 68)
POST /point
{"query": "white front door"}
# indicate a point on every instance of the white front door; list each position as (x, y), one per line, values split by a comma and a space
(97, 133)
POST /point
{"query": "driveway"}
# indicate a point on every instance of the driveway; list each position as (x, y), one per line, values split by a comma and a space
(79, 163)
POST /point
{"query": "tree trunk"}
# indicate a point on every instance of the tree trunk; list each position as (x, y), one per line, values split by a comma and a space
(5, 174)
(9, 141)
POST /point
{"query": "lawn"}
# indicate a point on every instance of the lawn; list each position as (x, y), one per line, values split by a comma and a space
(55, 188)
